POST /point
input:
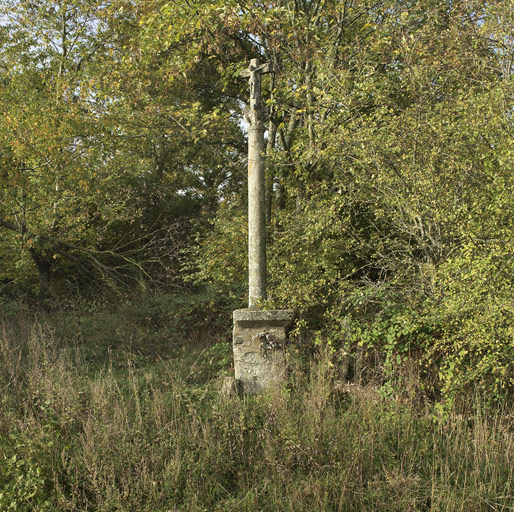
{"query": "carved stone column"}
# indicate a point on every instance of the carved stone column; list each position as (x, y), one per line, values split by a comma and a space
(256, 186)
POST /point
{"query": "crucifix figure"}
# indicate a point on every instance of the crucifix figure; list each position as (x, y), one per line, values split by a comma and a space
(256, 187)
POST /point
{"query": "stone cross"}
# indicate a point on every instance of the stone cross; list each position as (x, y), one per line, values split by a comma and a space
(259, 336)
(256, 186)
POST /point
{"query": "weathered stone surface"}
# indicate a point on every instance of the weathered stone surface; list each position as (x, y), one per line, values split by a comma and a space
(256, 186)
(230, 387)
(271, 316)
(259, 341)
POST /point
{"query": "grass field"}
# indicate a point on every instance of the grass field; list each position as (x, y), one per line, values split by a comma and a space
(118, 409)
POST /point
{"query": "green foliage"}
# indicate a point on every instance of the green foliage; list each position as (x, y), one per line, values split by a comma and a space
(390, 192)
(219, 259)
(27, 468)
(392, 180)
(309, 260)
(474, 351)
(59, 186)
(186, 315)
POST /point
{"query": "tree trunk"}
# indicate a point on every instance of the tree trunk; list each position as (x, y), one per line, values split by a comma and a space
(43, 267)
(272, 134)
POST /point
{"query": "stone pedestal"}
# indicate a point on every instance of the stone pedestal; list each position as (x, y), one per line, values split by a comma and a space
(259, 340)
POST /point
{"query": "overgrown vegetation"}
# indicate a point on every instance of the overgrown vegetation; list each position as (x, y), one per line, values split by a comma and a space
(92, 419)
(389, 202)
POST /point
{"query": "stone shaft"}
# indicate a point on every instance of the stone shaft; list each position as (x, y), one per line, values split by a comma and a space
(256, 217)
(256, 188)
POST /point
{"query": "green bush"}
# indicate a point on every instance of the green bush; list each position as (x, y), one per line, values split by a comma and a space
(474, 351)
(27, 471)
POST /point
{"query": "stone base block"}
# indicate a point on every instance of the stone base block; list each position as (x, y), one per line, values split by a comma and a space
(259, 340)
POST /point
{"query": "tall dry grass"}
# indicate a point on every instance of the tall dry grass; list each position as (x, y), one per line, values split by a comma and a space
(133, 436)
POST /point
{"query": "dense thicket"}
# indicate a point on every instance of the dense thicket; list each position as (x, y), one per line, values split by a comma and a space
(390, 161)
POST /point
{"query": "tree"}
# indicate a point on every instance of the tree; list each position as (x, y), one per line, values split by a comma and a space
(58, 188)
(97, 164)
